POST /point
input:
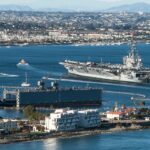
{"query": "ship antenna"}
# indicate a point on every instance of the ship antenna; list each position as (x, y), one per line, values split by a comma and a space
(132, 45)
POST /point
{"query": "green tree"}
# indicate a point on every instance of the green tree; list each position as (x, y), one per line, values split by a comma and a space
(28, 111)
(32, 114)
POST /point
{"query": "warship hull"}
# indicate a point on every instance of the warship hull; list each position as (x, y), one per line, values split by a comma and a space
(103, 77)
(89, 79)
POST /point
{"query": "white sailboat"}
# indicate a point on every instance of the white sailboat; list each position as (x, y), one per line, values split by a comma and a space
(25, 84)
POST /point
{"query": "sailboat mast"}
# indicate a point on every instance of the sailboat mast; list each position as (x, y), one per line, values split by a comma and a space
(26, 78)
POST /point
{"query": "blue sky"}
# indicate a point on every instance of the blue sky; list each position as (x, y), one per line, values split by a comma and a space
(72, 4)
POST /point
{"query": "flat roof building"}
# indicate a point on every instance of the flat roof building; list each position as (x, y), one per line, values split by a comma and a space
(8, 125)
(89, 118)
(66, 120)
(62, 120)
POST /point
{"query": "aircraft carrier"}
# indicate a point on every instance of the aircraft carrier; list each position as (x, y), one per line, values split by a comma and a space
(132, 69)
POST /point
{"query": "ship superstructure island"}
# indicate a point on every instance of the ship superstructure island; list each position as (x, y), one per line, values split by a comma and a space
(132, 69)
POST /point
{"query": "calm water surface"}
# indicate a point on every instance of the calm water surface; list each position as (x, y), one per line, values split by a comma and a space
(44, 61)
(137, 140)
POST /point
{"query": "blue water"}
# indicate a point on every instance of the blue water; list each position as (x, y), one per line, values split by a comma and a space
(137, 140)
(44, 61)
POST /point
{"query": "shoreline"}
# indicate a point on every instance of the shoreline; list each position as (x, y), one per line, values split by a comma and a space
(71, 134)
(8, 45)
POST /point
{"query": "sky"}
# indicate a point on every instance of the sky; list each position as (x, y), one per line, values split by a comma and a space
(72, 4)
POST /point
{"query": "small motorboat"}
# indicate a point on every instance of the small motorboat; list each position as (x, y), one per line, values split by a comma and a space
(22, 63)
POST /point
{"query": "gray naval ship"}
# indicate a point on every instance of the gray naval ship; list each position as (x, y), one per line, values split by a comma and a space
(132, 69)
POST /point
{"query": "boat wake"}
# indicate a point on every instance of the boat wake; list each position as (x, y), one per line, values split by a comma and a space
(31, 68)
(37, 70)
(105, 91)
(124, 93)
(8, 75)
(99, 83)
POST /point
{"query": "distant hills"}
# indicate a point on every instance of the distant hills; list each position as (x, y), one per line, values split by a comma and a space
(15, 8)
(12, 7)
(136, 7)
(144, 7)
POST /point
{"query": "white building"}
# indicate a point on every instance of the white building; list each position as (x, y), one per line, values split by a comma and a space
(8, 125)
(115, 115)
(147, 118)
(62, 120)
(121, 113)
(89, 118)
